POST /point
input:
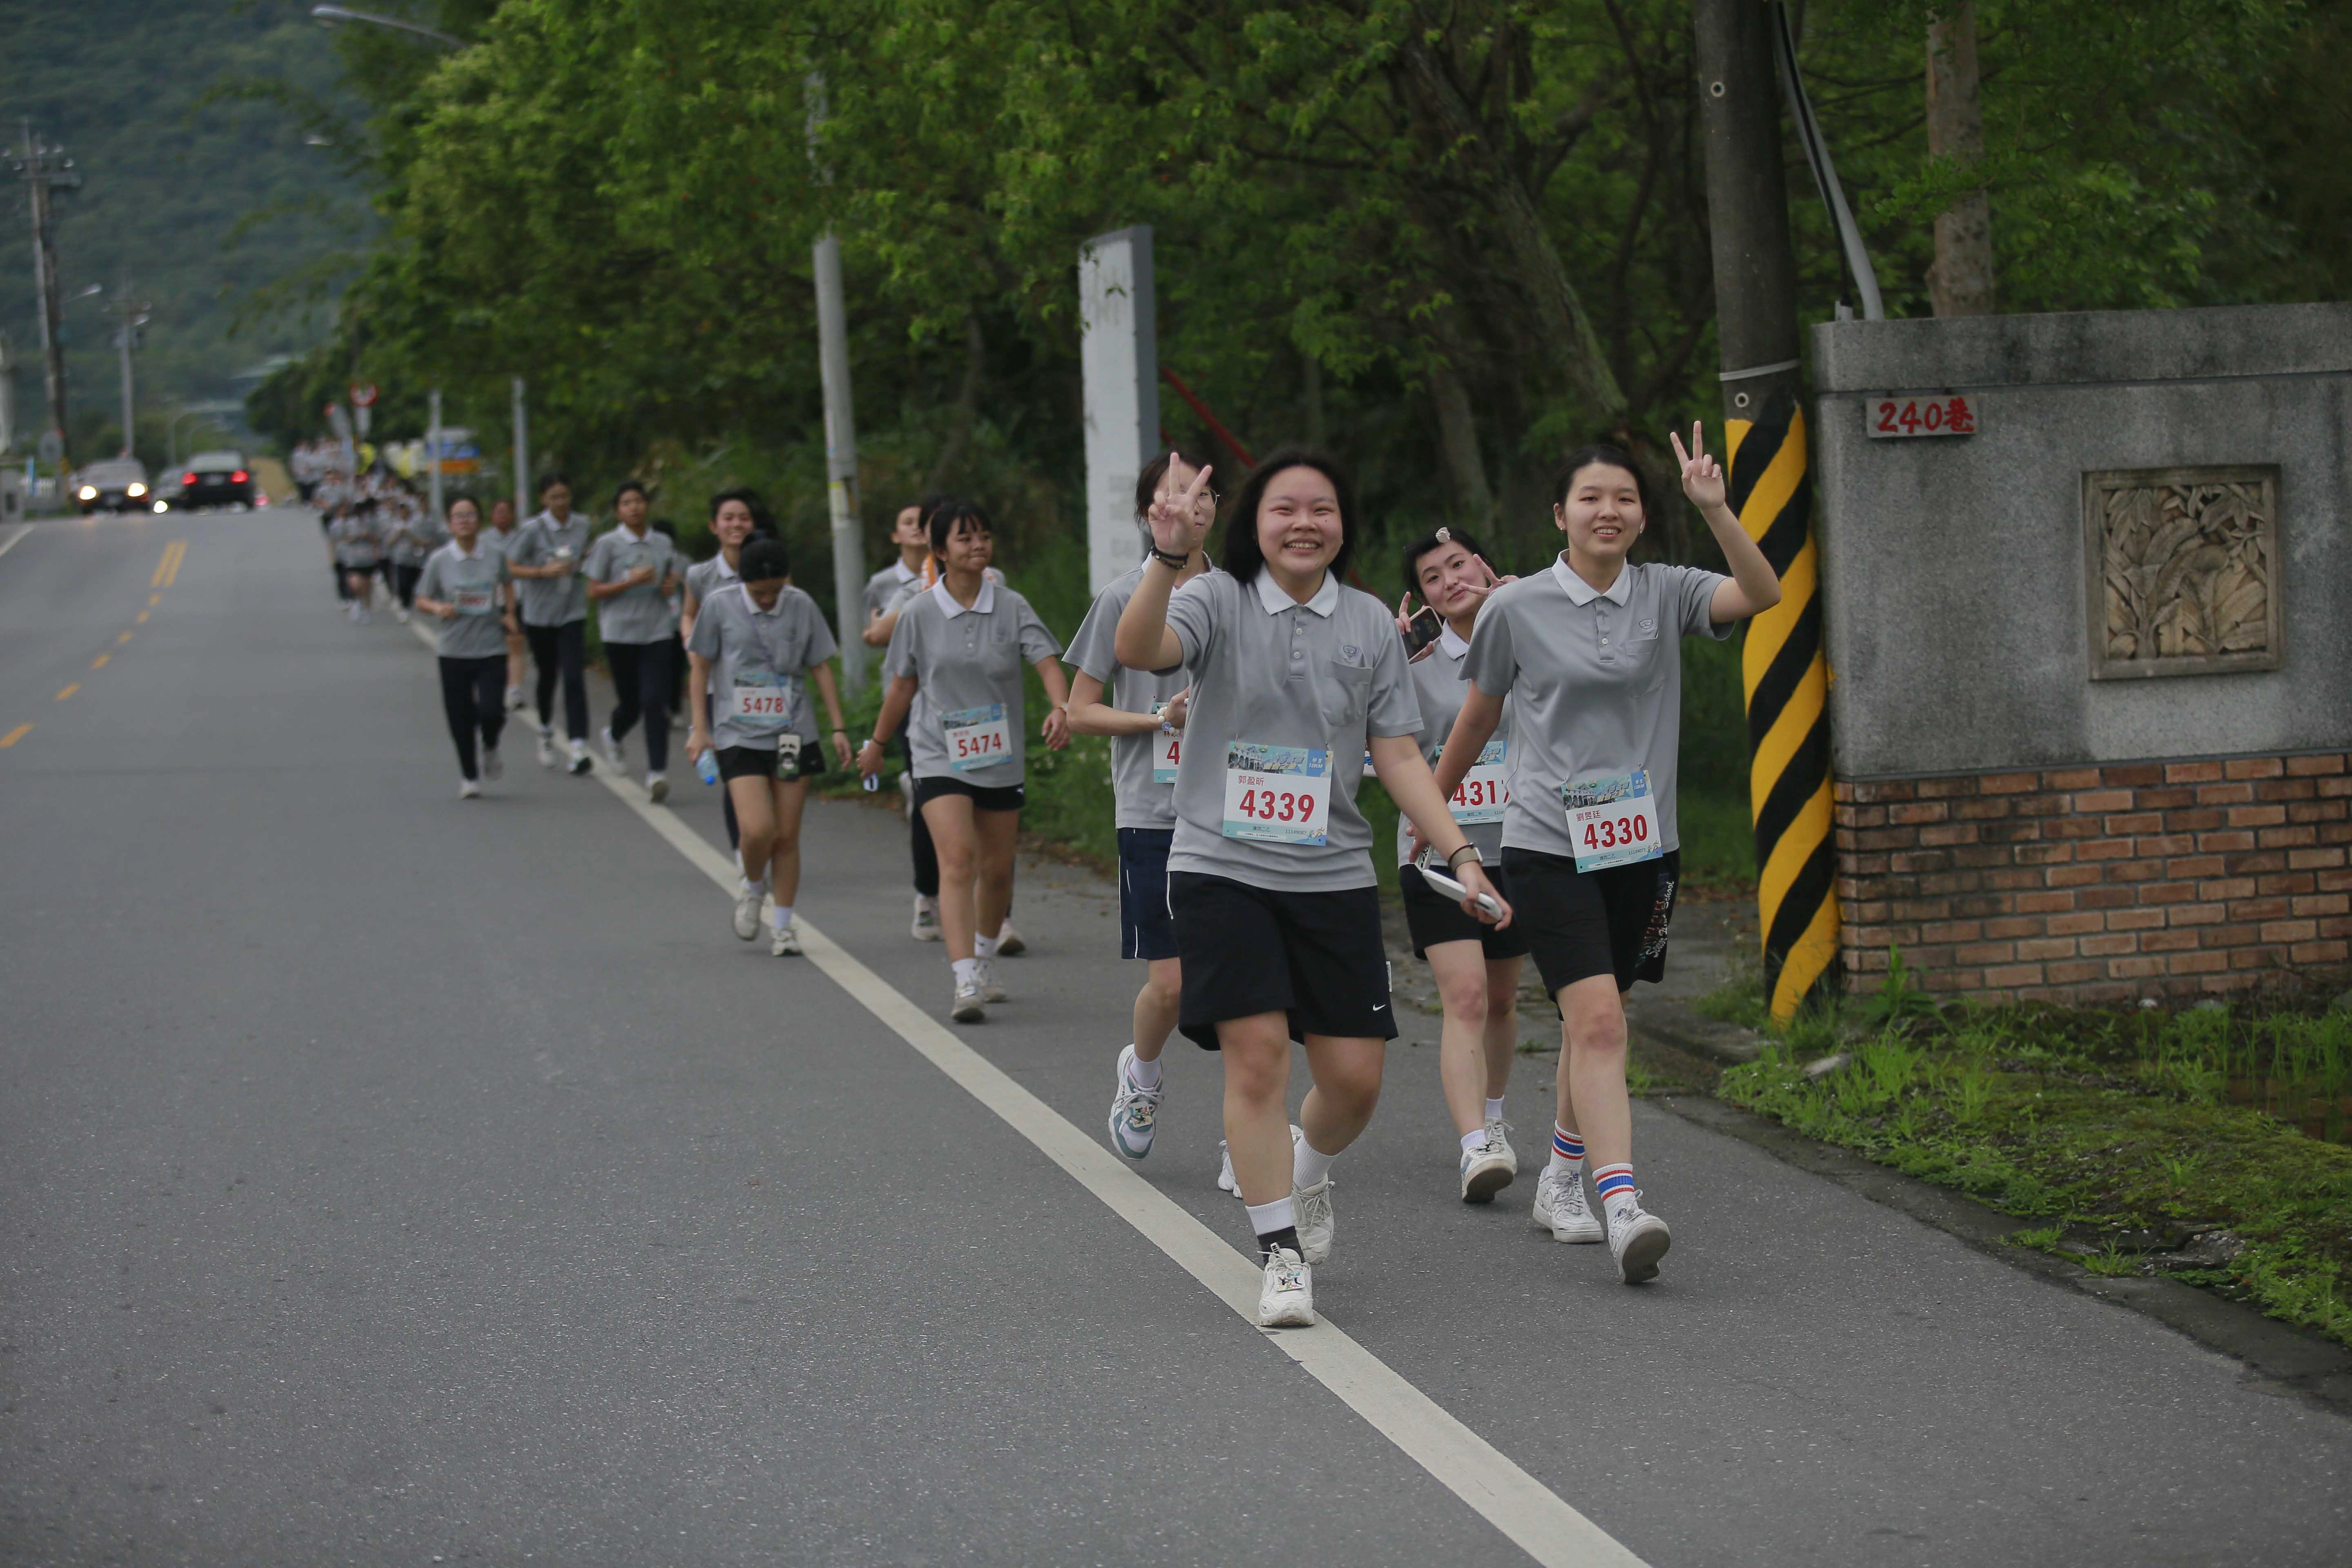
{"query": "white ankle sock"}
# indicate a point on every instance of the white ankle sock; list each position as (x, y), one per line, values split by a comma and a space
(780, 916)
(1145, 1073)
(1267, 1218)
(1495, 1110)
(1473, 1142)
(967, 971)
(1307, 1166)
(759, 887)
(984, 947)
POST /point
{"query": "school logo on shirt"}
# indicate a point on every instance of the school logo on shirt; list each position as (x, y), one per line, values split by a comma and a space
(1648, 628)
(1350, 653)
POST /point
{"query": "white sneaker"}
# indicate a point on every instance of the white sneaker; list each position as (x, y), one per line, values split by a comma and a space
(966, 1008)
(580, 763)
(1315, 1222)
(469, 790)
(494, 766)
(612, 748)
(1560, 1208)
(515, 699)
(1637, 1240)
(658, 787)
(1498, 1132)
(1008, 941)
(1485, 1170)
(400, 614)
(927, 918)
(784, 941)
(747, 911)
(1226, 1181)
(991, 988)
(1133, 1110)
(1286, 1298)
(549, 756)
(906, 795)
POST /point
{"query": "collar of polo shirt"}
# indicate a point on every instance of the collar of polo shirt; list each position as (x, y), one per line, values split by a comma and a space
(752, 605)
(1450, 641)
(904, 572)
(1270, 595)
(984, 604)
(1580, 591)
(465, 554)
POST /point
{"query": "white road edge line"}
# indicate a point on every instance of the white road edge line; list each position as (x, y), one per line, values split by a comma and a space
(1535, 1518)
(17, 538)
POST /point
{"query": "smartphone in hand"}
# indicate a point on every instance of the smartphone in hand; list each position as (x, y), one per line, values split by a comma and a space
(1422, 631)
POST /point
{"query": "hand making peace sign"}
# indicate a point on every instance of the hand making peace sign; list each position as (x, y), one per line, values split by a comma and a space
(1702, 474)
(1180, 521)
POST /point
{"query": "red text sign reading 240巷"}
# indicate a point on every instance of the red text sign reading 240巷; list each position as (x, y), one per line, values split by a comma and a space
(1893, 415)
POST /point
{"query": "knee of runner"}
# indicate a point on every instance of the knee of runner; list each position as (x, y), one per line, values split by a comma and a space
(1355, 1082)
(1167, 990)
(1463, 996)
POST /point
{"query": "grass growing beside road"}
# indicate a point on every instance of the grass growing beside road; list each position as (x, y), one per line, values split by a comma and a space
(2144, 1142)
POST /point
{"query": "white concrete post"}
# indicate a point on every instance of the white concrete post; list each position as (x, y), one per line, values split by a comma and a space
(1120, 355)
(433, 449)
(841, 461)
(522, 456)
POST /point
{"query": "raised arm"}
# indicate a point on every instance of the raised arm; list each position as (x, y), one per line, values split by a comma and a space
(1754, 586)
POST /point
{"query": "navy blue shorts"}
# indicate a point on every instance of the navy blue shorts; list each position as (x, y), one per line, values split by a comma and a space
(1146, 928)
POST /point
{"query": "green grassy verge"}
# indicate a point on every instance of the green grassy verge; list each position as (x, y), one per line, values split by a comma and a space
(2121, 1134)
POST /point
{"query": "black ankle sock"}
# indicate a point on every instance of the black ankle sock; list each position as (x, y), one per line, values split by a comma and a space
(1287, 1236)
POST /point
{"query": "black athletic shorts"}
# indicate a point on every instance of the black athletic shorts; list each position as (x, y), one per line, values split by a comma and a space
(1146, 928)
(984, 797)
(1316, 956)
(750, 763)
(1431, 918)
(1578, 924)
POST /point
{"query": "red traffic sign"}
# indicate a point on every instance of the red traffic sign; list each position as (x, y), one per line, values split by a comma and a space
(363, 395)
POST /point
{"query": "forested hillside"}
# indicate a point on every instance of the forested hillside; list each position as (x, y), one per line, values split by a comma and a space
(218, 211)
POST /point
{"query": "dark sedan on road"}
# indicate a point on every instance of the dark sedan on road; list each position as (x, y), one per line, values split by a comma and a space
(117, 484)
(214, 478)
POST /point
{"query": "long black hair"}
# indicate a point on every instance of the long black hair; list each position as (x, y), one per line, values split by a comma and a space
(1243, 557)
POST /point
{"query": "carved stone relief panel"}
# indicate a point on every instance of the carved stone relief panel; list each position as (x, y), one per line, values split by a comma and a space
(2181, 568)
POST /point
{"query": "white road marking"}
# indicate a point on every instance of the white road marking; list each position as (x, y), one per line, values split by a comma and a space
(11, 541)
(1535, 1518)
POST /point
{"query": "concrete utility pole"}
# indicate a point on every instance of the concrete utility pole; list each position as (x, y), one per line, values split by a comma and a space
(1960, 282)
(45, 170)
(522, 456)
(1119, 360)
(840, 427)
(1782, 668)
(130, 315)
(433, 449)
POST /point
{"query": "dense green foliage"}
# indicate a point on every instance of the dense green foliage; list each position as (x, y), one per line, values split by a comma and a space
(217, 209)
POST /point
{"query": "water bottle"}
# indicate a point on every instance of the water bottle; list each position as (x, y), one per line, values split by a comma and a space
(706, 767)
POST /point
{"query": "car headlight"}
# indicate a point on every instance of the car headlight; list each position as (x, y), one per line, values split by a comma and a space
(161, 507)
(136, 490)
(88, 492)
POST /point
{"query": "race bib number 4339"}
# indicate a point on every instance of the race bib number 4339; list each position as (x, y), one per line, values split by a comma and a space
(1612, 821)
(978, 738)
(1277, 794)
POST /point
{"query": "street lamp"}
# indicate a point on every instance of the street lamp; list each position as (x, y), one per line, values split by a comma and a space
(331, 15)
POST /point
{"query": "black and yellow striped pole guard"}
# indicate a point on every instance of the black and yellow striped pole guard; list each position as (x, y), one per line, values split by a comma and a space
(1786, 674)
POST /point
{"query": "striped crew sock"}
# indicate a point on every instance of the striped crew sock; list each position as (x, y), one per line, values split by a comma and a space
(1566, 1151)
(1615, 1185)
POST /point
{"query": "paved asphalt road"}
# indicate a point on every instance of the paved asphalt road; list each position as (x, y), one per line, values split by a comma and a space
(393, 1179)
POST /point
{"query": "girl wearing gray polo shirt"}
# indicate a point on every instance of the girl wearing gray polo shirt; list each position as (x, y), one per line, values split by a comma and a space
(955, 665)
(464, 585)
(1590, 654)
(756, 648)
(1270, 869)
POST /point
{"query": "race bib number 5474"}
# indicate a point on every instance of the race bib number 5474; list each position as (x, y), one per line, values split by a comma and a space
(1277, 794)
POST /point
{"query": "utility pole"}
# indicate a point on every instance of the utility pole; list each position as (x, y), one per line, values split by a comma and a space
(433, 449)
(840, 429)
(1783, 671)
(521, 455)
(1960, 282)
(130, 315)
(45, 170)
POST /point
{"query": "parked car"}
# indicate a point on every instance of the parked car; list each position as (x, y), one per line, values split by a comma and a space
(215, 479)
(117, 484)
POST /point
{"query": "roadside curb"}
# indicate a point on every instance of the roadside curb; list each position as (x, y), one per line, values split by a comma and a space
(2277, 1356)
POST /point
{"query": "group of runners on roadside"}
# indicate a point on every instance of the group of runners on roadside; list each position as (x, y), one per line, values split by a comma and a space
(1526, 728)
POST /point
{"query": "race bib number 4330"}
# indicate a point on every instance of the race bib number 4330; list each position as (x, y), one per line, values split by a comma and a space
(978, 738)
(1612, 821)
(1277, 794)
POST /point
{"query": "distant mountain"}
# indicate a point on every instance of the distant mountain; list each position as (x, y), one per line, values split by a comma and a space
(168, 179)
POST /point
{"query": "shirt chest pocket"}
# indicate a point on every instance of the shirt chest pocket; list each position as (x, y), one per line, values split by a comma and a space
(1347, 696)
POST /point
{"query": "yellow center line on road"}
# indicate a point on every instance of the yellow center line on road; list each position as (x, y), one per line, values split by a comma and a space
(13, 736)
(69, 691)
(154, 600)
(143, 614)
(99, 662)
(167, 570)
(124, 638)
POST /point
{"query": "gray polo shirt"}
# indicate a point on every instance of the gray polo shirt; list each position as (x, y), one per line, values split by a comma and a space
(747, 647)
(965, 662)
(885, 585)
(551, 600)
(705, 578)
(1440, 682)
(1139, 802)
(414, 537)
(497, 542)
(475, 583)
(1324, 675)
(1595, 683)
(358, 542)
(638, 615)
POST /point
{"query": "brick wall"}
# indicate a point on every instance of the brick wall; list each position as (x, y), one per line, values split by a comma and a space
(2098, 884)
